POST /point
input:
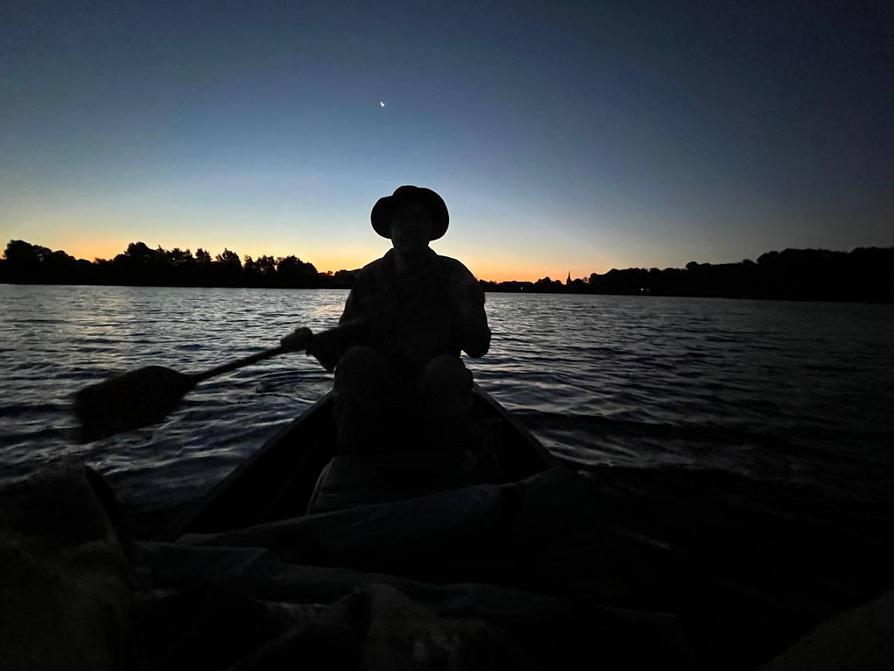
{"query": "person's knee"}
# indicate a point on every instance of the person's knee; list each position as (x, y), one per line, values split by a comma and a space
(362, 370)
(446, 373)
(445, 388)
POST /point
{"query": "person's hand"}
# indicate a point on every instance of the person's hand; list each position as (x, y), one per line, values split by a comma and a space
(298, 339)
(326, 347)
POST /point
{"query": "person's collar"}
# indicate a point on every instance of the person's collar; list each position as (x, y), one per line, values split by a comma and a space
(427, 261)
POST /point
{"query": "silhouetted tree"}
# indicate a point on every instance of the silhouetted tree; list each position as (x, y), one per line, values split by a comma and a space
(266, 266)
(250, 274)
(577, 286)
(202, 256)
(178, 257)
(24, 259)
(545, 284)
(343, 279)
(228, 258)
(293, 272)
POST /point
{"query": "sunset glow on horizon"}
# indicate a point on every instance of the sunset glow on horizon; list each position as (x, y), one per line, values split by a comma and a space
(325, 261)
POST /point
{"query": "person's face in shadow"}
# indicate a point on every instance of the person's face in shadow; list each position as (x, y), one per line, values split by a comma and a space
(411, 229)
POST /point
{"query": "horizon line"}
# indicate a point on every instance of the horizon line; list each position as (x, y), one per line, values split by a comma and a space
(559, 276)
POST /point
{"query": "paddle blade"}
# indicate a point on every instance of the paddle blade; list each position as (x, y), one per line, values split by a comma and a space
(129, 401)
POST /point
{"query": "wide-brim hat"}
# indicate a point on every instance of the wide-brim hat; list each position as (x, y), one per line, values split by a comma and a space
(383, 211)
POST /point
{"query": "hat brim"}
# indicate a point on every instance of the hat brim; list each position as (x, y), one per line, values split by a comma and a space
(383, 211)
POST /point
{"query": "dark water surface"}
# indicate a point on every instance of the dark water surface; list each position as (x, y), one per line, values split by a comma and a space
(771, 391)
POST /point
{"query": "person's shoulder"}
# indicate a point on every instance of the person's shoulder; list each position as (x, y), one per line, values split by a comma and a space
(460, 281)
(373, 265)
(373, 268)
(454, 267)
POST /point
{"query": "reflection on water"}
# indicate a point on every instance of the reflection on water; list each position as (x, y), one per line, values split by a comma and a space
(792, 391)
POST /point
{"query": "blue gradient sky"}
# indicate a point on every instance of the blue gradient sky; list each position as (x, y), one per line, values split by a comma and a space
(563, 137)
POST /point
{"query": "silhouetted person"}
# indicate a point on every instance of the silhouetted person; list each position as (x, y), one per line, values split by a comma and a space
(399, 381)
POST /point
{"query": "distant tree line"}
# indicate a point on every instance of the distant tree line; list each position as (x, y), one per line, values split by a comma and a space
(864, 274)
(143, 266)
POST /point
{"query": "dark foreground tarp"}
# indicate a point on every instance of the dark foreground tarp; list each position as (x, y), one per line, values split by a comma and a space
(560, 571)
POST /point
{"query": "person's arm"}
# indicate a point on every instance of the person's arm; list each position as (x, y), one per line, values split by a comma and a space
(469, 318)
(328, 346)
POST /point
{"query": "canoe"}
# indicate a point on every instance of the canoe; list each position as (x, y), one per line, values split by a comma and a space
(297, 472)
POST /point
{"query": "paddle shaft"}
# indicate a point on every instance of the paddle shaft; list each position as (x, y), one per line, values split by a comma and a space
(239, 363)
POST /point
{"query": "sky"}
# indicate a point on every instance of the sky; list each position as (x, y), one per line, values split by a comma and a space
(564, 137)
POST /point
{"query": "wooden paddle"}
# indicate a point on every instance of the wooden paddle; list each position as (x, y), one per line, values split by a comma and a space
(144, 396)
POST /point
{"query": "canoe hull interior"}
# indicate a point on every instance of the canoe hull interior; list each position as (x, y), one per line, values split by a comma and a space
(280, 480)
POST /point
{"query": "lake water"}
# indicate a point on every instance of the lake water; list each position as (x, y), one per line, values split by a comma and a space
(771, 391)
